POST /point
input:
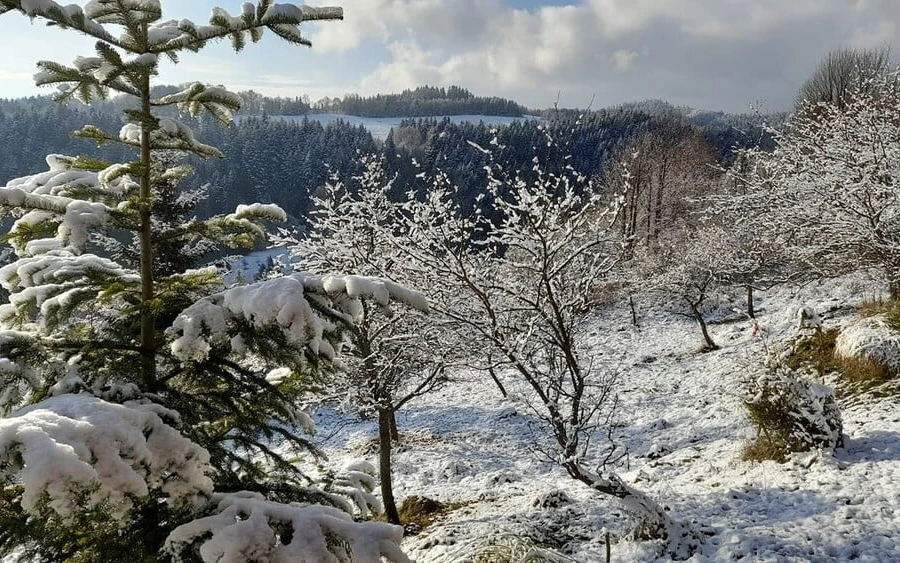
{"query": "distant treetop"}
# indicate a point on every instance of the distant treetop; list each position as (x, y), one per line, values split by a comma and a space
(424, 101)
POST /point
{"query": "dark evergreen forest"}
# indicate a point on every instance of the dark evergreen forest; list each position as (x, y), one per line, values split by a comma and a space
(284, 162)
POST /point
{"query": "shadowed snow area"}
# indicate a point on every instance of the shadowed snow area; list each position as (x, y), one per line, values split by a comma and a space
(681, 419)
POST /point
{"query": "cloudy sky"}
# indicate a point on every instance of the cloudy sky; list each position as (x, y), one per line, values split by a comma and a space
(710, 54)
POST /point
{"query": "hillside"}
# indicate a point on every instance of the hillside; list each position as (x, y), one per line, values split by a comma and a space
(683, 424)
(379, 127)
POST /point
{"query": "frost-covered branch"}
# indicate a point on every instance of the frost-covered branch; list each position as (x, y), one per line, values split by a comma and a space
(74, 449)
(247, 527)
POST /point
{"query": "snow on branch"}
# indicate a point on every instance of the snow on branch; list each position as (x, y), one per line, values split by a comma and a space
(280, 302)
(258, 211)
(169, 134)
(247, 527)
(379, 290)
(18, 380)
(70, 15)
(61, 267)
(281, 19)
(70, 445)
(307, 308)
(52, 197)
(218, 101)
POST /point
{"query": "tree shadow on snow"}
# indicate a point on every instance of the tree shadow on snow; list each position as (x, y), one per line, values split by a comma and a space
(880, 445)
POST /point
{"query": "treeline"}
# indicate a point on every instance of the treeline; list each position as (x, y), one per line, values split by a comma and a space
(424, 101)
(32, 128)
(277, 161)
(284, 162)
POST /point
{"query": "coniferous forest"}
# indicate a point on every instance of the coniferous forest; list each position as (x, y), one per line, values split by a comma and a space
(286, 161)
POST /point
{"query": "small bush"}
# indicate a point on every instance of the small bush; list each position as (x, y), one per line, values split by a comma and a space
(869, 350)
(509, 548)
(791, 414)
(815, 352)
(864, 371)
(890, 308)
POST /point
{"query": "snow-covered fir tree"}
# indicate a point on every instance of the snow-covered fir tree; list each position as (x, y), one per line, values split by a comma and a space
(149, 412)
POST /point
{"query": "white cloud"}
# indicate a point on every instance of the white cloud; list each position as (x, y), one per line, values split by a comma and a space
(719, 54)
(622, 59)
(713, 53)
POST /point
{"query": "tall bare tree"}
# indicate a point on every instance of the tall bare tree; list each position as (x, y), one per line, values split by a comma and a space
(519, 286)
(840, 74)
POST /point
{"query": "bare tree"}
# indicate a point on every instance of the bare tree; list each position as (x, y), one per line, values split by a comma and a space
(666, 168)
(521, 286)
(827, 195)
(394, 355)
(841, 74)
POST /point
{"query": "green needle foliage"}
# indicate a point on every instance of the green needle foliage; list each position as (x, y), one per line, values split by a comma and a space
(102, 297)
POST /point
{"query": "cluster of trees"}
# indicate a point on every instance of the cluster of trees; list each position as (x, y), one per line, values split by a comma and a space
(258, 104)
(517, 266)
(822, 203)
(285, 162)
(30, 129)
(277, 161)
(507, 283)
(424, 101)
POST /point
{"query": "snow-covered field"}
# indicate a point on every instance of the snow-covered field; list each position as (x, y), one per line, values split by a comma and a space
(380, 126)
(684, 427)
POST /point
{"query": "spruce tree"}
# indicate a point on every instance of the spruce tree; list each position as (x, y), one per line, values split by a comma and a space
(148, 403)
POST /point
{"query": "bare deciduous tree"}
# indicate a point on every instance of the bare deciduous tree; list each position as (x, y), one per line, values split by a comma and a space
(666, 167)
(520, 286)
(841, 74)
(393, 354)
(827, 195)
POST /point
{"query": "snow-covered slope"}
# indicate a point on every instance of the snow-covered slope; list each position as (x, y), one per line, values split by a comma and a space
(684, 426)
(380, 126)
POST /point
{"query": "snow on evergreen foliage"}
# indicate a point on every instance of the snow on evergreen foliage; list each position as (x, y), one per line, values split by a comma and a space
(246, 527)
(136, 386)
(793, 412)
(77, 452)
(284, 303)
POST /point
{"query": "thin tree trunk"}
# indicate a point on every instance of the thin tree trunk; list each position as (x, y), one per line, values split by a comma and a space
(695, 309)
(392, 424)
(384, 465)
(496, 379)
(148, 330)
(750, 309)
(634, 318)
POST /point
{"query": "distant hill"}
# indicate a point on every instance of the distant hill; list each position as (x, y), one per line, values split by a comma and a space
(424, 101)
(380, 127)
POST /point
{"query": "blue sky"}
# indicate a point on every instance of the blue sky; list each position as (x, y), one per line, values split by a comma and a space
(710, 54)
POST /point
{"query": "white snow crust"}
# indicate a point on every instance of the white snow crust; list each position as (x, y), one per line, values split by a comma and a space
(78, 443)
(870, 339)
(684, 426)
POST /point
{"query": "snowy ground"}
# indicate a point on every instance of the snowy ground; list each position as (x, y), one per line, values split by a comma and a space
(379, 127)
(684, 427)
